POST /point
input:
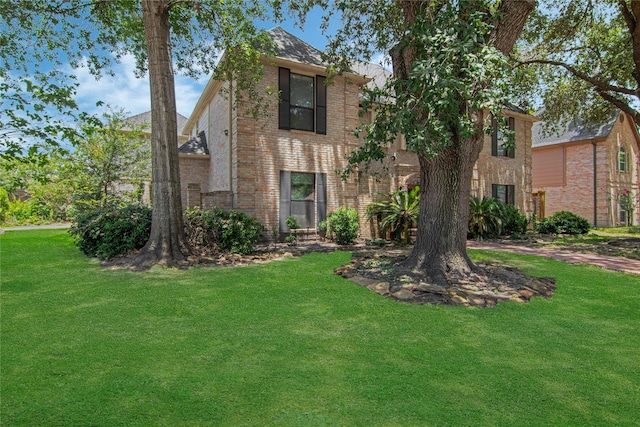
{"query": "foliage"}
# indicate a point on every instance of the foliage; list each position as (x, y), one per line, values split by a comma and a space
(54, 182)
(202, 235)
(485, 217)
(428, 93)
(397, 213)
(41, 40)
(292, 238)
(580, 57)
(4, 204)
(513, 221)
(344, 225)
(627, 203)
(115, 160)
(109, 232)
(563, 222)
(238, 232)
(489, 217)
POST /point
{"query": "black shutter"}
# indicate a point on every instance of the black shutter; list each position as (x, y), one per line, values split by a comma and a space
(285, 199)
(285, 97)
(494, 136)
(321, 188)
(321, 106)
(494, 191)
(511, 196)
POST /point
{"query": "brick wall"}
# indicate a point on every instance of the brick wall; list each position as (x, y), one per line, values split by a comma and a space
(516, 171)
(577, 194)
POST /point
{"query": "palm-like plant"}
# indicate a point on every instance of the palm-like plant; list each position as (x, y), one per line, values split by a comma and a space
(485, 217)
(397, 213)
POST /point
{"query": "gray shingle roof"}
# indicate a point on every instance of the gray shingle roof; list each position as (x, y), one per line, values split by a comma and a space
(572, 131)
(195, 145)
(145, 119)
(292, 48)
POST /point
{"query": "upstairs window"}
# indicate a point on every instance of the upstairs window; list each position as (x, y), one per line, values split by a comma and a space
(303, 102)
(498, 139)
(622, 159)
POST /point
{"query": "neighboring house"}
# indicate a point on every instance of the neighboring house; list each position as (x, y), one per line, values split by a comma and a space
(585, 170)
(142, 121)
(285, 164)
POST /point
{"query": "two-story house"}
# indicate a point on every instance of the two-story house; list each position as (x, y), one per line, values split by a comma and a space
(585, 169)
(285, 164)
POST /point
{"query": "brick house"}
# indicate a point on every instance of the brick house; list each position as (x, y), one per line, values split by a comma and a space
(585, 169)
(285, 164)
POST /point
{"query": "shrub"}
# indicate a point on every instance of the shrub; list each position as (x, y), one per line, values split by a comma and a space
(106, 233)
(4, 204)
(344, 225)
(201, 233)
(563, 222)
(485, 217)
(237, 231)
(397, 213)
(29, 211)
(292, 223)
(513, 222)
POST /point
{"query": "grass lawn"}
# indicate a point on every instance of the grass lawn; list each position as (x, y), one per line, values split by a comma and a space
(291, 344)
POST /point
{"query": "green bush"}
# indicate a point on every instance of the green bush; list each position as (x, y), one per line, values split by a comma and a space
(292, 223)
(237, 231)
(485, 217)
(489, 217)
(200, 231)
(563, 222)
(397, 213)
(29, 211)
(106, 233)
(513, 222)
(344, 225)
(4, 204)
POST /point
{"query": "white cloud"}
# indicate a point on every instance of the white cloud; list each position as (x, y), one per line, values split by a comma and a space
(124, 90)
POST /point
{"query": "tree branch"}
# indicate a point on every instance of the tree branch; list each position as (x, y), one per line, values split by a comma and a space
(635, 115)
(598, 84)
(514, 14)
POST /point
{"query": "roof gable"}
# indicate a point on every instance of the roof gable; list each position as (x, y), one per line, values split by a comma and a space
(292, 48)
(196, 145)
(572, 131)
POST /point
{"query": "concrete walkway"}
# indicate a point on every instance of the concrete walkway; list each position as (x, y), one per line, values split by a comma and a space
(626, 265)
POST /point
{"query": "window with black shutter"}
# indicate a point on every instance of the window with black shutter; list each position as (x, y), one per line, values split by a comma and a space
(304, 196)
(303, 102)
(499, 139)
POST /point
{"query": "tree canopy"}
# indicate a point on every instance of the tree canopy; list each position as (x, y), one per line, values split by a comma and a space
(582, 59)
(449, 69)
(42, 42)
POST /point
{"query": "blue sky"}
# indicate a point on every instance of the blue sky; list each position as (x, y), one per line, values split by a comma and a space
(124, 90)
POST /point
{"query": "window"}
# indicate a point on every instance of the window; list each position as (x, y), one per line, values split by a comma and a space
(303, 196)
(504, 193)
(622, 159)
(623, 216)
(498, 139)
(303, 103)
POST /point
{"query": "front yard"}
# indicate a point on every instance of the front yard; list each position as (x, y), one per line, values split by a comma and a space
(289, 343)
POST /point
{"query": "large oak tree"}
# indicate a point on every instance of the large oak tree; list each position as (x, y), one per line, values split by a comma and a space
(449, 64)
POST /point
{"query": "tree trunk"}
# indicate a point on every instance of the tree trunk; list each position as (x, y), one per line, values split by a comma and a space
(445, 187)
(445, 180)
(166, 244)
